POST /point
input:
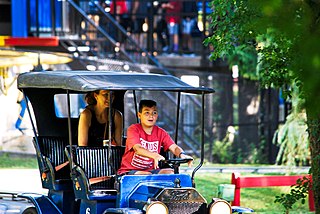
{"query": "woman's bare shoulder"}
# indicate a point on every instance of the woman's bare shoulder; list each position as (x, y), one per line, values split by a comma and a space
(86, 112)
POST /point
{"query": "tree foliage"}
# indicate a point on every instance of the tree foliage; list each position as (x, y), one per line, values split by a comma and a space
(283, 37)
(293, 141)
(298, 192)
(292, 136)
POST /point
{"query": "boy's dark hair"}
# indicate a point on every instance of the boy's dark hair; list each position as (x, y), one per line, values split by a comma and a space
(146, 103)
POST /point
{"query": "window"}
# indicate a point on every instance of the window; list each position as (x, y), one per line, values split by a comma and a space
(77, 104)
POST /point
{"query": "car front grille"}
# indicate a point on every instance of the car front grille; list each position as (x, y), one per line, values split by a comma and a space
(183, 200)
(186, 207)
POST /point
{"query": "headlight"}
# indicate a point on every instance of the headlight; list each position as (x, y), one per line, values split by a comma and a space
(220, 206)
(157, 207)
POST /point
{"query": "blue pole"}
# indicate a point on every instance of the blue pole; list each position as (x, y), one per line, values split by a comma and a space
(19, 18)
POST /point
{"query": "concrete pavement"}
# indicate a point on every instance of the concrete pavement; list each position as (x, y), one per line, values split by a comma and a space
(21, 180)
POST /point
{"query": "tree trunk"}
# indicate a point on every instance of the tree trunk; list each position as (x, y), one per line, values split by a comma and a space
(313, 111)
(314, 136)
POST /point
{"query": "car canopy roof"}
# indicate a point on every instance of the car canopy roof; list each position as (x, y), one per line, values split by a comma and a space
(85, 81)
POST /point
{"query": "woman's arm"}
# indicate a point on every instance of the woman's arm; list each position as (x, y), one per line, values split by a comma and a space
(83, 127)
(118, 122)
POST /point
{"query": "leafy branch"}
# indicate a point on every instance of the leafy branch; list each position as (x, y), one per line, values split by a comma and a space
(299, 191)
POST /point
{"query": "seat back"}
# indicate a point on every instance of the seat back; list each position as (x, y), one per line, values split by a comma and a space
(99, 162)
(50, 154)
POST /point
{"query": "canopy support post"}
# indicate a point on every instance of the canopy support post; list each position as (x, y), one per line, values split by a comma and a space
(34, 132)
(202, 142)
(177, 118)
(135, 104)
(69, 128)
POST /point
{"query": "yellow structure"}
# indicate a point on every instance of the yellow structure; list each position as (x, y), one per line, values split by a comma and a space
(11, 57)
(2, 42)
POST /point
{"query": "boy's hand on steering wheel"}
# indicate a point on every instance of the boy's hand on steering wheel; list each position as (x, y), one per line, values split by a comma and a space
(156, 160)
(184, 156)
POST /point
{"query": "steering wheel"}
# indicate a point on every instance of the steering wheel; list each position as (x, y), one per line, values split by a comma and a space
(173, 163)
(176, 161)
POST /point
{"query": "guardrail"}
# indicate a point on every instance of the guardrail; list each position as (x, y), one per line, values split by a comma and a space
(265, 181)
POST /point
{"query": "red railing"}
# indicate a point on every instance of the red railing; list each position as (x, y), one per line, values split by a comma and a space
(265, 181)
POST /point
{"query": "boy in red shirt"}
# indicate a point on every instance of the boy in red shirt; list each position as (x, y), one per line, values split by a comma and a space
(144, 142)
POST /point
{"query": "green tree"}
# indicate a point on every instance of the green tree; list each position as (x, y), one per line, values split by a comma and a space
(284, 38)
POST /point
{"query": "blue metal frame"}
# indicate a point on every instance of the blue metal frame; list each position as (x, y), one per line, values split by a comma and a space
(142, 187)
(43, 204)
